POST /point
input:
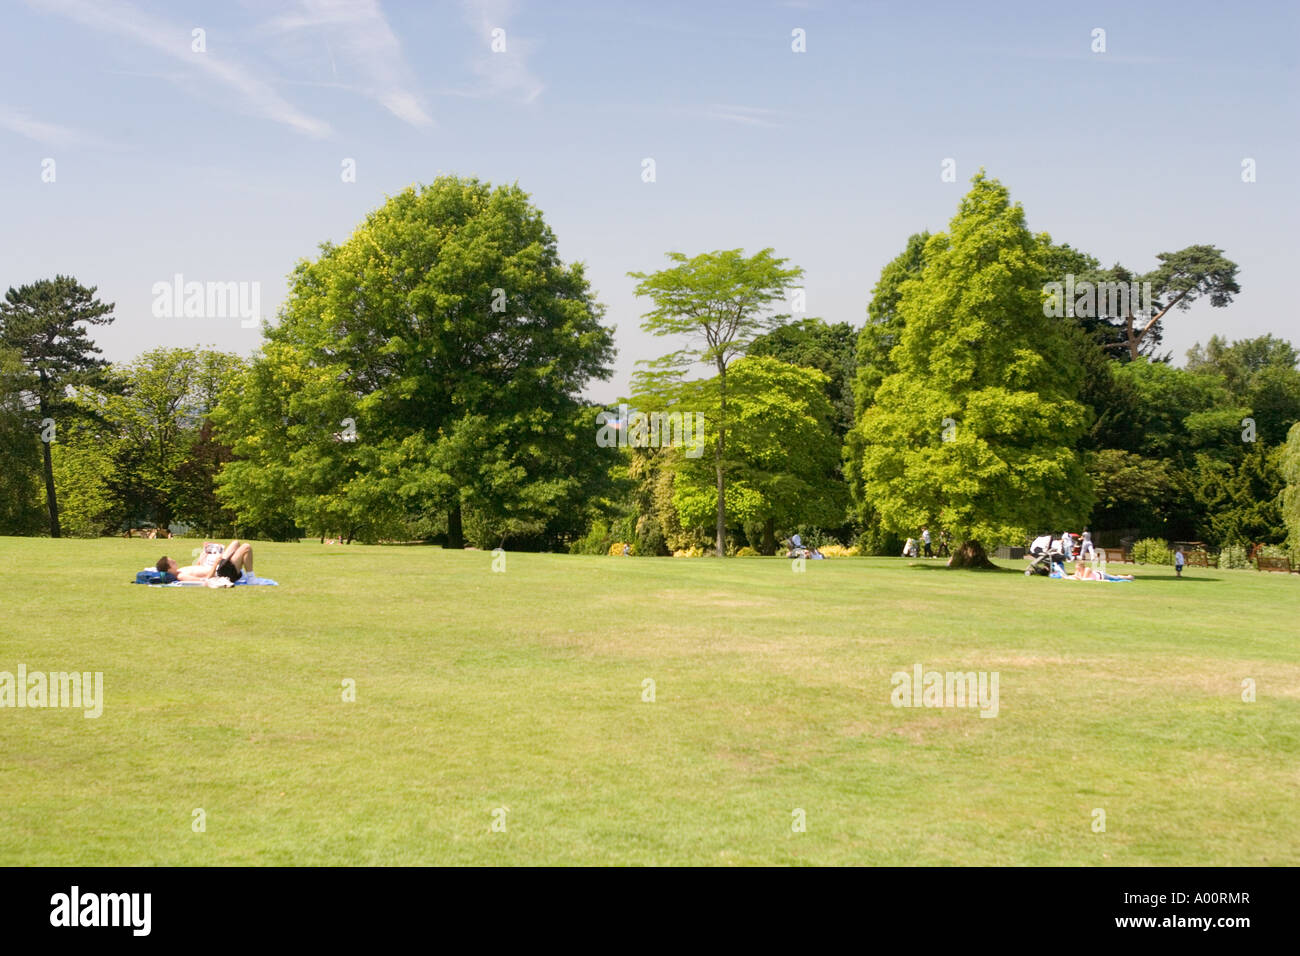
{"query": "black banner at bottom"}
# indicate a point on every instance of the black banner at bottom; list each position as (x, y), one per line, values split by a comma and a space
(336, 905)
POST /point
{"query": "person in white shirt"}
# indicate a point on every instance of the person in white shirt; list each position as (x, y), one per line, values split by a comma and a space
(1086, 550)
(1067, 545)
(925, 541)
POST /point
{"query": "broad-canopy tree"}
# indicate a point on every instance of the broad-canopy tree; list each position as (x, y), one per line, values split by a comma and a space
(721, 302)
(446, 321)
(45, 323)
(976, 430)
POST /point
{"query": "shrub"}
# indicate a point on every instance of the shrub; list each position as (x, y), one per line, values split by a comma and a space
(1233, 556)
(596, 541)
(689, 553)
(747, 552)
(877, 541)
(839, 551)
(1152, 551)
(616, 549)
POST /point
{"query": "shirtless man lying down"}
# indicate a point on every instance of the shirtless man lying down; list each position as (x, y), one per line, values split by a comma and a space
(230, 563)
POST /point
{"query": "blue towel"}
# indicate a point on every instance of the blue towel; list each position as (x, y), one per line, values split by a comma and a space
(252, 579)
(247, 580)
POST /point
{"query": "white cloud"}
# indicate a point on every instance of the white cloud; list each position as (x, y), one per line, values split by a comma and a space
(125, 19)
(366, 46)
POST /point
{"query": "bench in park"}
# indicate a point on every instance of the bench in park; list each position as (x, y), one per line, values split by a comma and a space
(1114, 554)
(1196, 559)
(1264, 563)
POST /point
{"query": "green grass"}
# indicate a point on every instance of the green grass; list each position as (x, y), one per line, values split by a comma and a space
(523, 690)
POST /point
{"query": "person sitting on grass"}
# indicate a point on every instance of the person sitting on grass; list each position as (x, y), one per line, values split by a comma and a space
(235, 561)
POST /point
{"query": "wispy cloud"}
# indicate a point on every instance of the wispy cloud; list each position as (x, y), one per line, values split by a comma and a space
(367, 47)
(746, 115)
(506, 73)
(47, 134)
(125, 19)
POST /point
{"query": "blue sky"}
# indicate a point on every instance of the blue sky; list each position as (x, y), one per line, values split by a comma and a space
(225, 165)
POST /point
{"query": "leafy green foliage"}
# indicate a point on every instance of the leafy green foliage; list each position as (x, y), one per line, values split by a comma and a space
(1241, 502)
(86, 468)
(884, 326)
(433, 361)
(1259, 377)
(781, 455)
(830, 349)
(1290, 471)
(45, 324)
(1152, 551)
(1131, 491)
(1233, 557)
(975, 431)
(20, 455)
(721, 302)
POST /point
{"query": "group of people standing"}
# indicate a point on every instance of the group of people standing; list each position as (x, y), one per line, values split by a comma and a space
(1067, 544)
(1086, 550)
(927, 544)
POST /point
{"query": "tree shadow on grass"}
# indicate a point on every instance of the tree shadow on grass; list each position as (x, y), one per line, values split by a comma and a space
(944, 567)
(1164, 580)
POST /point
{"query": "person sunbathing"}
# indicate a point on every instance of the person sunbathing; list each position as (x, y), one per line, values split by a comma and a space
(231, 563)
(1084, 573)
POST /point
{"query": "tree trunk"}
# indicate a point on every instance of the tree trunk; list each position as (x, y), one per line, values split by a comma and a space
(972, 557)
(50, 500)
(455, 533)
(769, 537)
(719, 450)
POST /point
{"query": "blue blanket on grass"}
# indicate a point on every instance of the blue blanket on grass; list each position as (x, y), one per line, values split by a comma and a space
(156, 579)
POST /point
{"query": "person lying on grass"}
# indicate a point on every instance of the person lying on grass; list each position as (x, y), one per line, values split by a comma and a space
(1084, 573)
(234, 561)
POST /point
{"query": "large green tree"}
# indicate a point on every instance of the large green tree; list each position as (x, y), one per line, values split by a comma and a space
(45, 323)
(975, 431)
(445, 321)
(720, 302)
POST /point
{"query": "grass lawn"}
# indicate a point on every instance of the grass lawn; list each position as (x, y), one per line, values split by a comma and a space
(478, 690)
